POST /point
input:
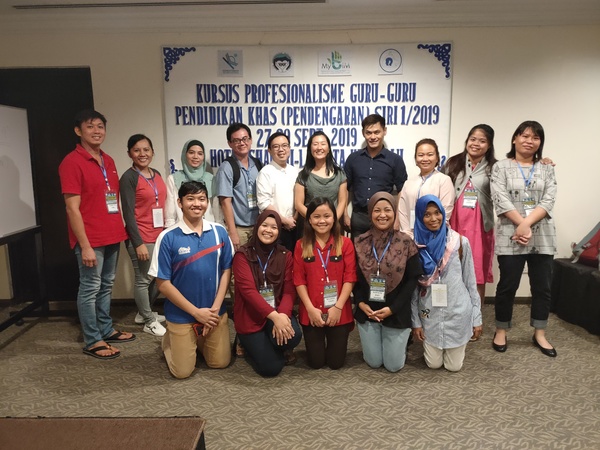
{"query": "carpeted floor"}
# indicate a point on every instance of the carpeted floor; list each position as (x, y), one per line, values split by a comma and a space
(517, 400)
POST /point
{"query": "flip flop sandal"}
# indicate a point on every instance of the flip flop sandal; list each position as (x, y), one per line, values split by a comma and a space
(94, 352)
(115, 337)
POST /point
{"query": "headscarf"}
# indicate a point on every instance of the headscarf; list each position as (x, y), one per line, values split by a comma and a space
(432, 244)
(189, 173)
(401, 249)
(255, 248)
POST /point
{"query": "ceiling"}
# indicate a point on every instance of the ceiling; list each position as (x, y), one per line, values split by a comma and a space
(271, 15)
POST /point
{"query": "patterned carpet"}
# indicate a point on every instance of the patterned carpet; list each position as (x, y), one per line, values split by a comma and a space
(517, 400)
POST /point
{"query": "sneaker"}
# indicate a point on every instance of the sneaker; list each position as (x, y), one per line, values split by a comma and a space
(155, 329)
(139, 319)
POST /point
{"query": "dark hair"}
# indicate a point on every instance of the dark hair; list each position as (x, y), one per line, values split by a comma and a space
(86, 115)
(275, 136)
(309, 165)
(373, 119)
(193, 142)
(536, 129)
(308, 237)
(433, 144)
(456, 165)
(237, 127)
(137, 138)
(192, 187)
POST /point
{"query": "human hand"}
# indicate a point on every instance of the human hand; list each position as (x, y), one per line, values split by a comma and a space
(207, 317)
(289, 223)
(333, 316)
(314, 316)
(368, 311)
(418, 334)
(282, 328)
(477, 331)
(383, 313)
(88, 257)
(142, 253)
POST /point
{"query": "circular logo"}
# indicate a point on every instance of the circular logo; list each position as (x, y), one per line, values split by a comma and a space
(282, 62)
(390, 60)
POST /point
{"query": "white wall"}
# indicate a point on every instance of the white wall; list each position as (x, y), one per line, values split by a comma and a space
(501, 76)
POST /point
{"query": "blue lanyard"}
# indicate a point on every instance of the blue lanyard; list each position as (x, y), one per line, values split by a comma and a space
(424, 181)
(103, 169)
(152, 184)
(264, 268)
(324, 265)
(382, 255)
(528, 179)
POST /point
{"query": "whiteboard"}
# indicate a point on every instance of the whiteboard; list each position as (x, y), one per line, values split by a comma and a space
(17, 206)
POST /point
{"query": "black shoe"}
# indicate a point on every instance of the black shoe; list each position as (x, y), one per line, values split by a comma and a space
(551, 352)
(499, 348)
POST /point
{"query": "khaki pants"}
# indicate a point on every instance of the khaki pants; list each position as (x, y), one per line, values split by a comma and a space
(180, 344)
(451, 358)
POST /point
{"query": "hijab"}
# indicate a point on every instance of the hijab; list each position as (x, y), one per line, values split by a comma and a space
(400, 250)
(189, 173)
(432, 244)
(255, 249)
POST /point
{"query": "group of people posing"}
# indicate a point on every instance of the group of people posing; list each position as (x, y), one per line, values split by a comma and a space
(416, 264)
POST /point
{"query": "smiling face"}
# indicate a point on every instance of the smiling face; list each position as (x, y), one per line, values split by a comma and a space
(319, 148)
(321, 220)
(426, 158)
(477, 146)
(280, 150)
(240, 143)
(382, 216)
(268, 231)
(526, 145)
(195, 156)
(374, 135)
(433, 217)
(91, 133)
(141, 154)
(193, 206)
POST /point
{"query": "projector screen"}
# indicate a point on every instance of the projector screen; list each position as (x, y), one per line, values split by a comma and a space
(17, 206)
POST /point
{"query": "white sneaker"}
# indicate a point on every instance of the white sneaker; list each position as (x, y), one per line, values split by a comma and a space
(155, 329)
(139, 319)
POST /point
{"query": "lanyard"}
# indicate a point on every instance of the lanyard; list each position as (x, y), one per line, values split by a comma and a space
(104, 174)
(152, 183)
(528, 179)
(264, 268)
(324, 265)
(382, 255)
(424, 181)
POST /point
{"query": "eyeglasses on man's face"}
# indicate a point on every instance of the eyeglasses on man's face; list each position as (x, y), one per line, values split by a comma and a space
(276, 147)
(243, 140)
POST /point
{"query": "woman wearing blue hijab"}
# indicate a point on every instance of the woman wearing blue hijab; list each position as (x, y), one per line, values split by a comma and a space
(446, 308)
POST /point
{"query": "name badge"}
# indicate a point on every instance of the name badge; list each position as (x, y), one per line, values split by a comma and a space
(269, 295)
(411, 219)
(470, 198)
(330, 294)
(158, 219)
(111, 202)
(252, 203)
(439, 295)
(377, 291)
(528, 205)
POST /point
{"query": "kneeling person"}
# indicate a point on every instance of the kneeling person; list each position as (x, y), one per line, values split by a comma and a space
(192, 266)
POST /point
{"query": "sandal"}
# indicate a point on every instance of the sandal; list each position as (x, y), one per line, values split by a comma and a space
(94, 352)
(115, 337)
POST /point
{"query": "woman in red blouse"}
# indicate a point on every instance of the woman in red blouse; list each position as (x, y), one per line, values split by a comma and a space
(264, 297)
(324, 274)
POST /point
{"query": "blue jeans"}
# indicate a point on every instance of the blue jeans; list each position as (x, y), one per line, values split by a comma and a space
(145, 291)
(540, 281)
(383, 345)
(95, 288)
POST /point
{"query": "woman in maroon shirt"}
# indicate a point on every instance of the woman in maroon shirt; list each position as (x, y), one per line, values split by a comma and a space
(264, 297)
(324, 274)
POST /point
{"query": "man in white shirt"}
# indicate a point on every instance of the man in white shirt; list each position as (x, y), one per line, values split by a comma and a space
(275, 187)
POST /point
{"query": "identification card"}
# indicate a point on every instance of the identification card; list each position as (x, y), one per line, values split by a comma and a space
(528, 206)
(470, 198)
(439, 295)
(158, 219)
(377, 292)
(111, 202)
(252, 203)
(330, 294)
(269, 295)
(411, 219)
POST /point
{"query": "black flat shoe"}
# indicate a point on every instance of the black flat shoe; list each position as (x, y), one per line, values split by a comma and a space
(499, 348)
(551, 352)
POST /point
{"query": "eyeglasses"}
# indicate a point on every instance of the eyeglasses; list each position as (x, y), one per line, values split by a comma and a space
(243, 140)
(276, 147)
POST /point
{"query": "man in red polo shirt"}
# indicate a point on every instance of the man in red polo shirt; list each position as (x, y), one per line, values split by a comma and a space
(90, 186)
